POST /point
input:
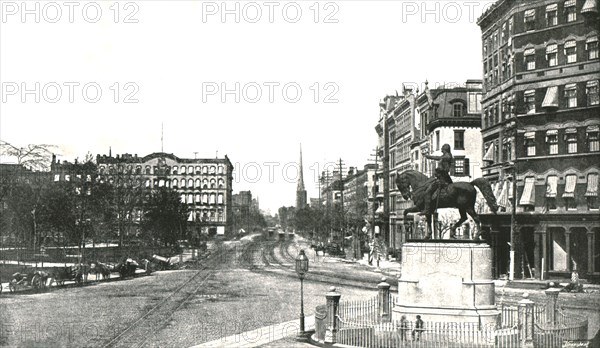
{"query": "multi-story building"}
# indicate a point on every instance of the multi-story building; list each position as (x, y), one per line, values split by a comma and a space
(540, 127)
(204, 184)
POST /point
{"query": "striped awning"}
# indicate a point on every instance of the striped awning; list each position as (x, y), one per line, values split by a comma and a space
(571, 181)
(489, 154)
(571, 43)
(552, 7)
(551, 132)
(503, 199)
(570, 3)
(528, 196)
(551, 186)
(551, 98)
(592, 129)
(571, 131)
(552, 48)
(592, 83)
(529, 14)
(592, 185)
(529, 51)
(590, 6)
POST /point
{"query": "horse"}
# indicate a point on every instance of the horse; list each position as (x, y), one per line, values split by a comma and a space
(127, 268)
(461, 195)
(98, 268)
(60, 274)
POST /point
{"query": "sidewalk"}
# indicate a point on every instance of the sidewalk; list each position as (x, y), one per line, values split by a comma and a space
(277, 335)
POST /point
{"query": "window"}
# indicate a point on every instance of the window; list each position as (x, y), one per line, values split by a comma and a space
(530, 143)
(459, 139)
(591, 91)
(220, 198)
(529, 59)
(197, 195)
(182, 182)
(530, 19)
(205, 198)
(220, 170)
(457, 109)
(507, 149)
(569, 194)
(175, 183)
(571, 95)
(570, 11)
(138, 170)
(182, 198)
(392, 137)
(205, 170)
(147, 170)
(392, 203)
(392, 158)
(212, 169)
(503, 34)
(213, 183)
(174, 171)
(190, 183)
(551, 15)
(571, 51)
(197, 183)
(437, 140)
(551, 190)
(571, 139)
(591, 193)
(182, 169)
(551, 54)
(552, 141)
(190, 199)
(213, 198)
(591, 45)
(459, 166)
(592, 138)
(530, 102)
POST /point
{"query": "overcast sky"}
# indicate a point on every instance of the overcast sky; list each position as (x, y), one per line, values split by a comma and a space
(172, 60)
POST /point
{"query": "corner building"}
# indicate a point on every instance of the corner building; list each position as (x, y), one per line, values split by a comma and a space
(540, 126)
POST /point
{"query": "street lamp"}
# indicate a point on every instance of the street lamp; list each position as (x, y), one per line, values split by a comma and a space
(301, 269)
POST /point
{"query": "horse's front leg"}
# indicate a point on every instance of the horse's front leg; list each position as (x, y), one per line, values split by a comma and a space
(429, 226)
(407, 225)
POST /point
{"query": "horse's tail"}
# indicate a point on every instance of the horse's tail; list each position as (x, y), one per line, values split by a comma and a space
(486, 190)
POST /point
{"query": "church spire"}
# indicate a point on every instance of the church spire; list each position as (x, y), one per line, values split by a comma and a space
(300, 191)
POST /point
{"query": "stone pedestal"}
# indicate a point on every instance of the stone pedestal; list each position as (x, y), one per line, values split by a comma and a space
(449, 281)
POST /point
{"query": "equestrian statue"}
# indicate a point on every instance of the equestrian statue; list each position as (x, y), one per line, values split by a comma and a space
(429, 194)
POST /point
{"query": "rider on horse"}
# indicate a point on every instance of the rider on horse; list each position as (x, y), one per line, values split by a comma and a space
(442, 178)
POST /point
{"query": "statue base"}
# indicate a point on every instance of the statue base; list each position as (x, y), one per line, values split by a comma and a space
(447, 281)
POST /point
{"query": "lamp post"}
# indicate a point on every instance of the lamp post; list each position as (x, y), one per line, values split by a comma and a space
(301, 269)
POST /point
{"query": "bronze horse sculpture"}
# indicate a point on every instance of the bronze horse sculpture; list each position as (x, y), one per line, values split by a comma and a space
(461, 195)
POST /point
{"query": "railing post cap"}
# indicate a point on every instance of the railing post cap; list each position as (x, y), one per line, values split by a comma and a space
(552, 291)
(525, 300)
(333, 292)
(383, 283)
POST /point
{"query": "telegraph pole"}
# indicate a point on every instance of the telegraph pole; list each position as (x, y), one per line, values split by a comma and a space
(343, 219)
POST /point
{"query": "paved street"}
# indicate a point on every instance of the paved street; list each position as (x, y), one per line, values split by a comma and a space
(245, 294)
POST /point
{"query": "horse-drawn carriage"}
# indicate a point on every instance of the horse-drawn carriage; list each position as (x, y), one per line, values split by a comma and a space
(28, 280)
(69, 273)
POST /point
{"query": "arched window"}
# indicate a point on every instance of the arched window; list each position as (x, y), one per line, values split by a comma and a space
(220, 169)
(213, 183)
(190, 198)
(198, 170)
(205, 183)
(190, 183)
(205, 198)
(197, 198)
(221, 183)
(147, 182)
(220, 198)
(182, 183)
(212, 169)
(175, 183)
(197, 184)
(182, 170)
(161, 183)
(183, 198)
(102, 170)
(213, 198)
(148, 170)
(174, 170)
(205, 169)
(190, 170)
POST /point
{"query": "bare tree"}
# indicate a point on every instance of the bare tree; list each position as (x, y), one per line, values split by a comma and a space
(32, 156)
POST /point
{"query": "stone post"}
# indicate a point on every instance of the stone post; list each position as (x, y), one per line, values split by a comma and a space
(552, 305)
(384, 301)
(525, 319)
(333, 302)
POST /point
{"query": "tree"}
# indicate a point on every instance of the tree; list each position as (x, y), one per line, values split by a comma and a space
(32, 156)
(165, 216)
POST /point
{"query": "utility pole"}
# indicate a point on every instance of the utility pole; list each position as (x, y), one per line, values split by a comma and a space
(343, 219)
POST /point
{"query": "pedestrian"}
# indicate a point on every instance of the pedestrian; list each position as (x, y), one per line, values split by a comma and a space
(416, 333)
(403, 327)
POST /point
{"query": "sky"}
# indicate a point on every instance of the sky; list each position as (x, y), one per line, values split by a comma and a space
(250, 80)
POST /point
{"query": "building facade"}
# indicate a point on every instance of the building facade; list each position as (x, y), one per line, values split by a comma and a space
(204, 184)
(540, 129)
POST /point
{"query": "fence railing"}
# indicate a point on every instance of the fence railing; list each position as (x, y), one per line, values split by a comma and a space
(565, 328)
(368, 323)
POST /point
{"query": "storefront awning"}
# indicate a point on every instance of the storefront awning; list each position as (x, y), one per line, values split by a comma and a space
(528, 196)
(551, 98)
(571, 181)
(551, 186)
(592, 186)
(590, 6)
(489, 154)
